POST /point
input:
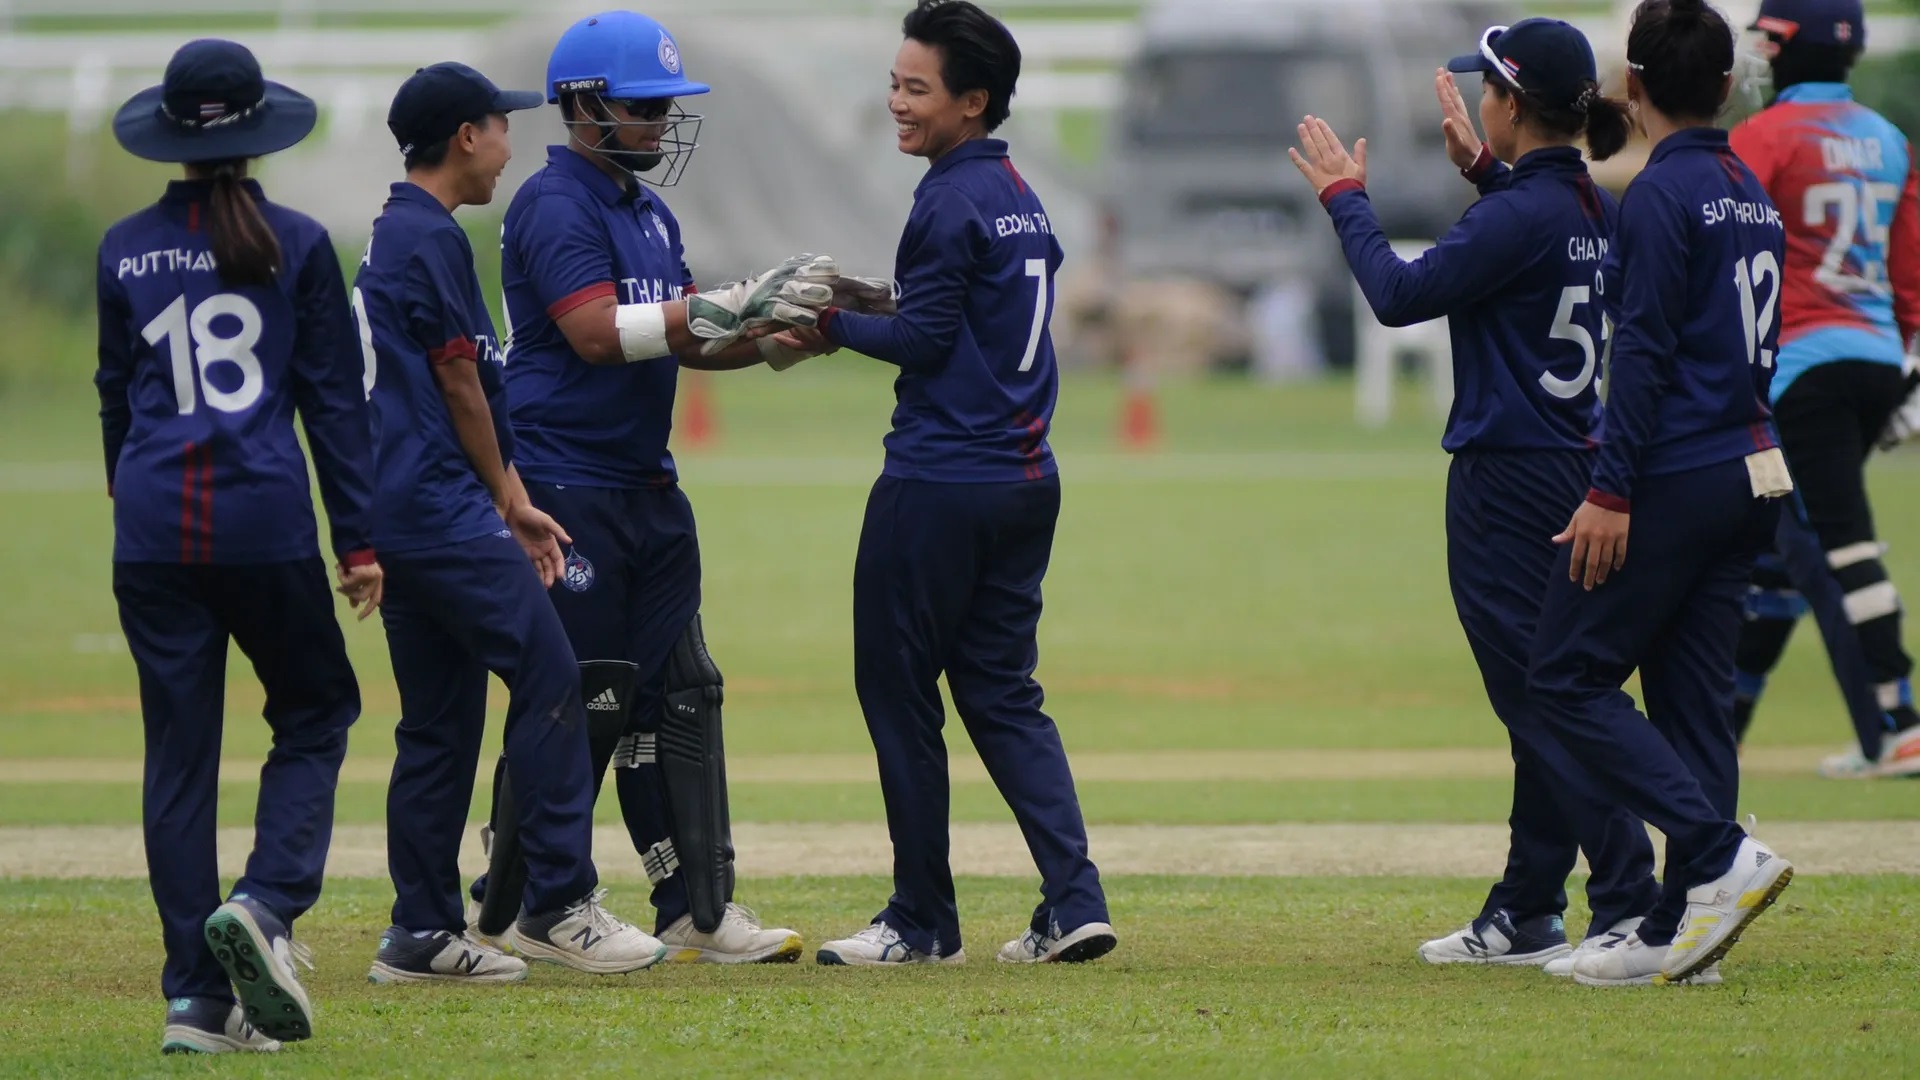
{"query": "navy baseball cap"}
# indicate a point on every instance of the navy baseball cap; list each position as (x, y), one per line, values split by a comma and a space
(213, 104)
(434, 101)
(1547, 58)
(1815, 22)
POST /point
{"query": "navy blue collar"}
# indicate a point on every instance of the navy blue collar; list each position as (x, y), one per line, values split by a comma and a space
(1550, 159)
(406, 191)
(967, 151)
(605, 188)
(1693, 138)
(181, 192)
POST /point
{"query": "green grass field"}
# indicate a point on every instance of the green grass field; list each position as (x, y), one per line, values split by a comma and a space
(1270, 582)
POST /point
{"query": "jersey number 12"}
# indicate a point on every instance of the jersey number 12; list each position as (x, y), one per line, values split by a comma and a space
(1749, 277)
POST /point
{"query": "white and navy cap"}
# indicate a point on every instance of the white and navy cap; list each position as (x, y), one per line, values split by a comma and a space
(1548, 59)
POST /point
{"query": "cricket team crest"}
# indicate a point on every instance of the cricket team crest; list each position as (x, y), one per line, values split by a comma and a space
(669, 54)
(578, 574)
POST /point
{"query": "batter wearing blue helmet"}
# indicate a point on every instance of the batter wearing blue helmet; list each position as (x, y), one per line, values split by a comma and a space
(603, 314)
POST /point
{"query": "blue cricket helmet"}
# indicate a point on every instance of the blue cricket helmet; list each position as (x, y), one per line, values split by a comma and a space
(618, 54)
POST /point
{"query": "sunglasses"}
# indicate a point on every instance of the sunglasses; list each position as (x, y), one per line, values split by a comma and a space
(645, 109)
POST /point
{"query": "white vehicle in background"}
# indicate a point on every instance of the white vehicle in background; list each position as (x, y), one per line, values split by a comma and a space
(1198, 185)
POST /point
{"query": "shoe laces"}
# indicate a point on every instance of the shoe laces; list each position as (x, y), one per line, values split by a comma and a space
(878, 933)
(742, 915)
(297, 953)
(598, 917)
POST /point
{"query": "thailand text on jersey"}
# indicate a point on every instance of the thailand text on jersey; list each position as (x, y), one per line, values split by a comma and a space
(572, 235)
(419, 304)
(1693, 286)
(199, 383)
(977, 384)
(1515, 280)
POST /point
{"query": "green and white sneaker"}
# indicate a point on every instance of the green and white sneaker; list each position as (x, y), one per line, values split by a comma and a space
(258, 952)
(209, 1026)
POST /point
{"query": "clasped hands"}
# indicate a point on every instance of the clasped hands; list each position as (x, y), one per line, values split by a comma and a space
(780, 309)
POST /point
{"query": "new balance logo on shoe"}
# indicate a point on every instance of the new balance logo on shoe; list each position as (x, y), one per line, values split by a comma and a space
(1475, 946)
(469, 961)
(604, 701)
(586, 937)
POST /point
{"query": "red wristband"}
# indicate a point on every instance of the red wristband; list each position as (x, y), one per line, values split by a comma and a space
(363, 557)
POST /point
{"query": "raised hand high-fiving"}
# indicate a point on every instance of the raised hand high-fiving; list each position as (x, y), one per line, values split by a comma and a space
(1456, 123)
(1323, 160)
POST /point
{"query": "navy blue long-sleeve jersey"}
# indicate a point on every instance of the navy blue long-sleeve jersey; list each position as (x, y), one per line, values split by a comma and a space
(1693, 285)
(1515, 278)
(978, 382)
(199, 384)
(420, 306)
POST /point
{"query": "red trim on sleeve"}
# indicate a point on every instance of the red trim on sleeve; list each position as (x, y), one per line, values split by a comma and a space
(193, 217)
(459, 348)
(825, 319)
(1482, 165)
(1340, 187)
(692, 289)
(1609, 502)
(363, 557)
(579, 297)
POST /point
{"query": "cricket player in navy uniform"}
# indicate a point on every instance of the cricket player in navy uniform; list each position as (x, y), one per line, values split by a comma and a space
(603, 314)
(462, 597)
(222, 315)
(1849, 193)
(1684, 495)
(959, 527)
(1515, 281)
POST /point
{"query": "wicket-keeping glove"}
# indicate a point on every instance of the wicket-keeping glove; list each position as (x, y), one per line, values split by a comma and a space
(791, 294)
(866, 295)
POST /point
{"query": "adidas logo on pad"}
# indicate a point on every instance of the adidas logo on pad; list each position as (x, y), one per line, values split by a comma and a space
(1760, 858)
(605, 702)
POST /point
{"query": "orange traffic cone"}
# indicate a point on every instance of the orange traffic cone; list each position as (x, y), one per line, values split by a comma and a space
(1139, 410)
(697, 425)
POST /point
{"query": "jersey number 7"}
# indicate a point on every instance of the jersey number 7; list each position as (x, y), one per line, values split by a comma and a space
(1037, 270)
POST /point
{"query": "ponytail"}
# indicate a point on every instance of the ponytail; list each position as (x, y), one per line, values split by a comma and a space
(1601, 119)
(1606, 123)
(244, 246)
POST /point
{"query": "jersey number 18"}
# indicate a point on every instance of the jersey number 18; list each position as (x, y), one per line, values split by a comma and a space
(193, 346)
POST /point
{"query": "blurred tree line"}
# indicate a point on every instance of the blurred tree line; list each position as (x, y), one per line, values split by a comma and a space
(1890, 82)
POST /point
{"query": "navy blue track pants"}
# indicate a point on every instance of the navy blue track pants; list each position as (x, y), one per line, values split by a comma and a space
(947, 581)
(178, 620)
(1503, 510)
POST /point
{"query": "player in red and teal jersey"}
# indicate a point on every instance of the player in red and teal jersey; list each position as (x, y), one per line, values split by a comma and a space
(1844, 180)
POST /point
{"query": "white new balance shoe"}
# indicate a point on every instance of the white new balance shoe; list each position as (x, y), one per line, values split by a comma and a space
(442, 956)
(500, 942)
(258, 952)
(1628, 961)
(1719, 911)
(739, 939)
(879, 945)
(1498, 939)
(1562, 966)
(586, 937)
(1089, 942)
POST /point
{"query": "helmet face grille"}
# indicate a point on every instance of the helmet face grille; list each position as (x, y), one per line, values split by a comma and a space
(679, 138)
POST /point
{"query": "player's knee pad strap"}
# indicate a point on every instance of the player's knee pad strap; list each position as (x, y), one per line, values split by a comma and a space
(693, 768)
